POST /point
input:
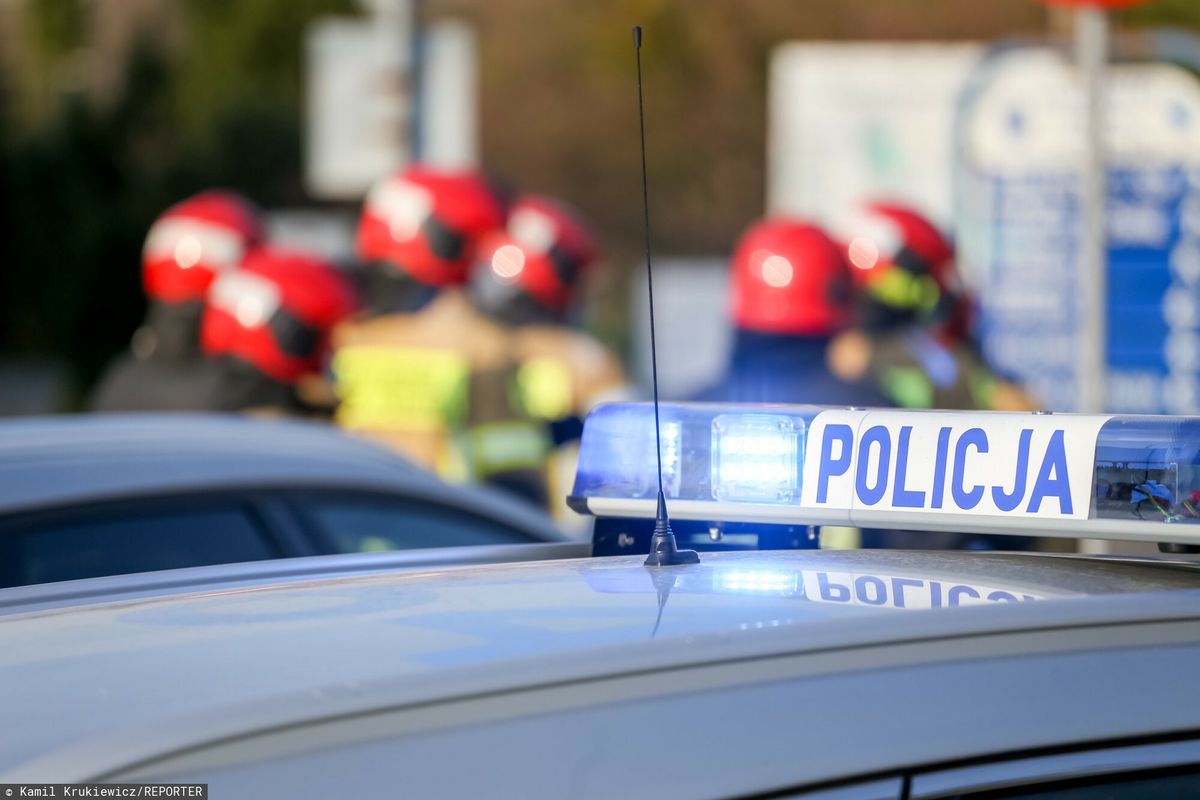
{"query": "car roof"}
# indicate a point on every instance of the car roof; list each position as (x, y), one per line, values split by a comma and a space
(246, 574)
(63, 460)
(248, 654)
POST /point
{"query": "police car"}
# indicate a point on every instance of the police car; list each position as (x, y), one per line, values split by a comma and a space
(797, 673)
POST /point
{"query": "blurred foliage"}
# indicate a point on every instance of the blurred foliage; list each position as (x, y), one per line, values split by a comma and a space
(1184, 13)
(57, 27)
(79, 187)
(243, 55)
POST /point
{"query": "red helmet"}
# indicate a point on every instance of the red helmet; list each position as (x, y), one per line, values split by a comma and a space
(541, 254)
(276, 311)
(901, 260)
(194, 240)
(789, 277)
(426, 223)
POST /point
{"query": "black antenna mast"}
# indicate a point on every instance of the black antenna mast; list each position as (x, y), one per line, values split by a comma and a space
(663, 551)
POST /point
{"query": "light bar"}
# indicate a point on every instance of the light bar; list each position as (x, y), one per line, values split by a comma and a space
(1073, 475)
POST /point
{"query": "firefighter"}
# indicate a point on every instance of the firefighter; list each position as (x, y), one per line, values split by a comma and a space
(266, 329)
(910, 342)
(186, 248)
(529, 277)
(791, 293)
(423, 371)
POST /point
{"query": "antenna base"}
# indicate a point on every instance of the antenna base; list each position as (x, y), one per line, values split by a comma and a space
(671, 558)
(664, 552)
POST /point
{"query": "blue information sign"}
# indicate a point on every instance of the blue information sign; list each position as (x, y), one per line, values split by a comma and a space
(1020, 231)
(1030, 292)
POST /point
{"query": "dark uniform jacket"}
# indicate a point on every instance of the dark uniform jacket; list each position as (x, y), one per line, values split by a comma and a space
(767, 368)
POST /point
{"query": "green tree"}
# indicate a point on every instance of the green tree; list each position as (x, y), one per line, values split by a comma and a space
(82, 180)
(1183, 13)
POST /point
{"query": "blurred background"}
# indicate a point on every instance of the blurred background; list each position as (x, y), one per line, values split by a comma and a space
(112, 110)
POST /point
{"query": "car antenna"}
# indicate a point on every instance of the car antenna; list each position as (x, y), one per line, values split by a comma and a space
(663, 551)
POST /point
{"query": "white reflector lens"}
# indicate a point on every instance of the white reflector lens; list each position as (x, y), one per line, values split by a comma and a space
(756, 458)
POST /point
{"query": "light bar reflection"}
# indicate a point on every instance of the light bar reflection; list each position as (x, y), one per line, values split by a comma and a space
(756, 581)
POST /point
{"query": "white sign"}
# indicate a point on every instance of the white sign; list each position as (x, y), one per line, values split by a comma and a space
(358, 99)
(848, 122)
(449, 130)
(1028, 118)
(998, 465)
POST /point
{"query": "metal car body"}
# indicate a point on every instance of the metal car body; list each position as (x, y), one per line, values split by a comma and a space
(748, 673)
(109, 491)
(866, 674)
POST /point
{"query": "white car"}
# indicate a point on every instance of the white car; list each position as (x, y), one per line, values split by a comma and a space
(875, 675)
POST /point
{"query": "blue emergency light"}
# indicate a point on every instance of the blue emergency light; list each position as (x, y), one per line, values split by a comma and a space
(1081, 476)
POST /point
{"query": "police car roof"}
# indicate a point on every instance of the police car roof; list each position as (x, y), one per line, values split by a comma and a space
(54, 461)
(102, 688)
(246, 574)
